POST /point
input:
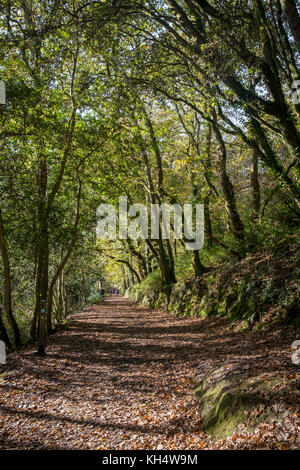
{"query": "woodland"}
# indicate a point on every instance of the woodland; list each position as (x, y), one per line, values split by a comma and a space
(164, 102)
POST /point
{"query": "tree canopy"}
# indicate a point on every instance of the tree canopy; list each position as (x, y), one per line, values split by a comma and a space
(162, 101)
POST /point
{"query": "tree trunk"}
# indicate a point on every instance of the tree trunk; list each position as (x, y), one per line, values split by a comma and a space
(7, 287)
(42, 251)
(289, 8)
(235, 224)
(3, 333)
(42, 296)
(42, 330)
(199, 268)
(268, 156)
(254, 181)
(165, 265)
(56, 276)
(207, 222)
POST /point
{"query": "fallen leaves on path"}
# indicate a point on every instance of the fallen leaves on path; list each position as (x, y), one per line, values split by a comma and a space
(122, 377)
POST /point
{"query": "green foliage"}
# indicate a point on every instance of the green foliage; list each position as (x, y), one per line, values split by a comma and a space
(95, 110)
(95, 298)
(184, 266)
(152, 283)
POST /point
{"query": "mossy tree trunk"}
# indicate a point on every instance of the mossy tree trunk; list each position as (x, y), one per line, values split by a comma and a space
(255, 187)
(235, 223)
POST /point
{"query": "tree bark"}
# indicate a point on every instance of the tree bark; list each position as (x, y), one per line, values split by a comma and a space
(7, 287)
(199, 268)
(165, 263)
(64, 260)
(254, 181)
(289, 8)
(235, 224)
(3, 333)
(42, 248)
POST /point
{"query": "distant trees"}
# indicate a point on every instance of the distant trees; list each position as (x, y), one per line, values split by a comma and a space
(164, 101)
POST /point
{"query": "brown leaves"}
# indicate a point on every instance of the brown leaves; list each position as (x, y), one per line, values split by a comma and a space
(122, 377)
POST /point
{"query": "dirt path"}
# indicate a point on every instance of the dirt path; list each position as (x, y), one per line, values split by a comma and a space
(122, 377)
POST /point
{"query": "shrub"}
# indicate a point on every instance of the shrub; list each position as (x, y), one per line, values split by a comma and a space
(95, 298)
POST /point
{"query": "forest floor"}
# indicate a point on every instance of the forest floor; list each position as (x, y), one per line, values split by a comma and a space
(121, 376)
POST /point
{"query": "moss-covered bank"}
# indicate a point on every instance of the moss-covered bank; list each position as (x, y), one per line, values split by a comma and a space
(259, 290)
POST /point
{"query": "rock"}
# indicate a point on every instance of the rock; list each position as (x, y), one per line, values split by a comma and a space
(229, 397)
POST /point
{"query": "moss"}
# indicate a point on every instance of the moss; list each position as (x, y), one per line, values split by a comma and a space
(252, 289)
(160, 301)
(230, 411)
(226, 402)
(184, 299)
(239, 302)
(191, 303)
(203, 307)
(227, 302)
(244, 326)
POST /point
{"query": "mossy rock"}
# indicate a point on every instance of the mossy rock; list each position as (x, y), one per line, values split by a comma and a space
(186, 300)
(180, 300)
(149, 299)
(146, 301)
(203, 307)
(227, 400)
(160, 301)
(227, 302)
(238, 302)
(230, 411)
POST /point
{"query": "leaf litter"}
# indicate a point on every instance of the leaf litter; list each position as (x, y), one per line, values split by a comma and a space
(122, 376)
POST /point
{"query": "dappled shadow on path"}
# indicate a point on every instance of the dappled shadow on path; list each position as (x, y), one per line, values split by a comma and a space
(122, 376)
